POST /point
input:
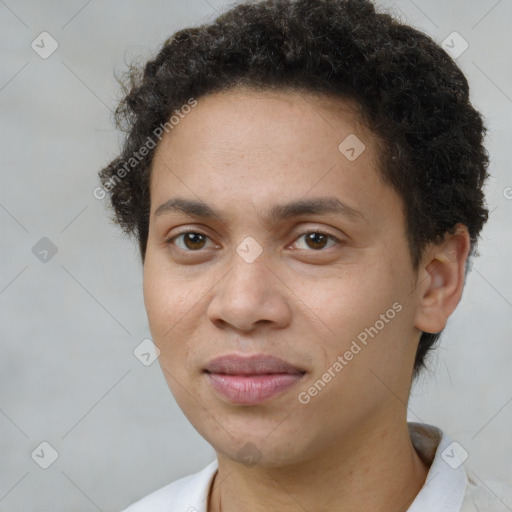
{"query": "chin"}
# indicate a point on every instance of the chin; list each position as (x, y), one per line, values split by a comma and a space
(262, 444)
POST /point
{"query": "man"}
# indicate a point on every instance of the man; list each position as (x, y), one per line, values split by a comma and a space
(304, 179)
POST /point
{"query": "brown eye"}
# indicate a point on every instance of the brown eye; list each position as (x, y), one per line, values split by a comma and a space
(317, 240)
(190, 241)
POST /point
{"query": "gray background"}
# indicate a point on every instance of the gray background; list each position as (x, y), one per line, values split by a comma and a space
(69, 326)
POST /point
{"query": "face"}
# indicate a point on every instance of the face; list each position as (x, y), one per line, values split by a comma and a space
(295, 272)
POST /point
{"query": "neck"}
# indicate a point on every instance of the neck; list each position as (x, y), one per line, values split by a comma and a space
(374, 469)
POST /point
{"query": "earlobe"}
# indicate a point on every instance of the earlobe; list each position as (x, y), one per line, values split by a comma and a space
(441, 280)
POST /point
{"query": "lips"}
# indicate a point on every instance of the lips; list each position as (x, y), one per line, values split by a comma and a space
(251, 365)
(251, 380)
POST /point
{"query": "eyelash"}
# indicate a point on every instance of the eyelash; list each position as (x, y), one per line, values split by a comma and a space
(195, 232)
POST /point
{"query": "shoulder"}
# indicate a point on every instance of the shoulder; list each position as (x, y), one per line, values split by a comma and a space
(489, 495)
(452, 484)
(188, 494)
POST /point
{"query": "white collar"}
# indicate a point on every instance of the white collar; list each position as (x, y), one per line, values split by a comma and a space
(444, 489)
(446, 482)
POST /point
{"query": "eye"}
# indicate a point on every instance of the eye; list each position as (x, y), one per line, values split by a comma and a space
(191, 241)
(317, 239)
(194, 241)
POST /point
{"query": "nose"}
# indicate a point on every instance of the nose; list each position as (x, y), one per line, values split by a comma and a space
(248, 295)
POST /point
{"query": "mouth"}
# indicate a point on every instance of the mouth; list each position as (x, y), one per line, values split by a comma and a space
(250, 380)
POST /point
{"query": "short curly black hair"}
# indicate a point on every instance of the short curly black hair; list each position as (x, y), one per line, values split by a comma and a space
(409, 93)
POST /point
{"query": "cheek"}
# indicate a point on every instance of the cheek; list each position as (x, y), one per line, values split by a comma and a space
(365, 304)
(176, 308)
(350, 298)
(166, 299)
(166, 293)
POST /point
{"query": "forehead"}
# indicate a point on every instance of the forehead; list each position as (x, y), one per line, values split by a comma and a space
(265, 111)
(252, 147)
(246, 127)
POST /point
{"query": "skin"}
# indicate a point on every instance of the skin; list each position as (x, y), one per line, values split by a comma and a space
(243, 152)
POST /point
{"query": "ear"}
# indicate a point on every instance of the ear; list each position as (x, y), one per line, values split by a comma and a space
(441, 280)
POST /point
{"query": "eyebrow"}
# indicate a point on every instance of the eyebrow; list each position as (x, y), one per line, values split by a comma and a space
(316, 206)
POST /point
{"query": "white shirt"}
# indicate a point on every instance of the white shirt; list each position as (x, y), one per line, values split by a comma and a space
(449, 487)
